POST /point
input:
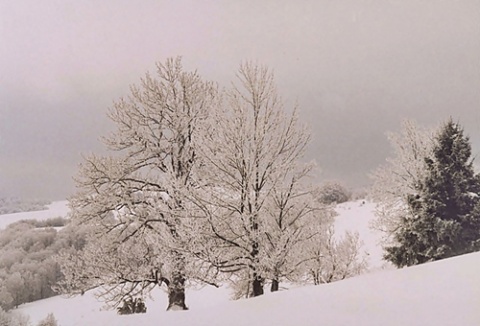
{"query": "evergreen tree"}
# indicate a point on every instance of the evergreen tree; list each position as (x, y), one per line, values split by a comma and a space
(444, 215)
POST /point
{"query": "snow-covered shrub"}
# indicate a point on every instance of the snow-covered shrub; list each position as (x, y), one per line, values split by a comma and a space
(48, 321)
(132, 306)
(48, 223)
(17, 319)
(6, 298)
(52, 222)
(361, 193)
(334, 193)
(5, 318)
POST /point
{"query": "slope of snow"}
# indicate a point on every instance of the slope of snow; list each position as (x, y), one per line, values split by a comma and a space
(442, 293)
(55, 209)
(355, 217)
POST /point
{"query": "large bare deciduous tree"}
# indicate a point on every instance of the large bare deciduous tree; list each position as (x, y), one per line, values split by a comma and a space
(201, 185)
(254, 197)
(134, 200)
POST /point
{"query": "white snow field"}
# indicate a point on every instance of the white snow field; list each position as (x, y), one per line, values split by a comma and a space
(435, 294)
(356, 217)
(55, 209)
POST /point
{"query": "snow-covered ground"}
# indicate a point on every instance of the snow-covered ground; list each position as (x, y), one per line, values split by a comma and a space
(444, 293)
(356, 217)
(55, 209)
(441, 293)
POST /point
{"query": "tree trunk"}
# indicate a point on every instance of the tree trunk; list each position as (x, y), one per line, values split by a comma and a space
(176, 293)
(316, 277)
(275, 285)
(257, 285)
(176, 287)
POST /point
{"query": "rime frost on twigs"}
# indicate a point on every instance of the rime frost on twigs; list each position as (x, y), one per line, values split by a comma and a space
(254, 197)
(204, 187)
(333, 259)
(134, 200)
(48, 321)
(400, 176)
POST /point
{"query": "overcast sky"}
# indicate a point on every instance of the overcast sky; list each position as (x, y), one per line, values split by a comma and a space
(356, 68)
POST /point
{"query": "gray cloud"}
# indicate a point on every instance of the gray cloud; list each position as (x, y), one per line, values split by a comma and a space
(356, 68)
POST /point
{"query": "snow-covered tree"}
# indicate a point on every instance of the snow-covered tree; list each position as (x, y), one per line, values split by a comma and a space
(15, 285)
(50, 320)
(27, 270)
(290, 213)
(253, 196)
(6, 299)
(399, 178)
(333, 259)
(5, 318)
(444, 217)
(334, 192)
(134, 199)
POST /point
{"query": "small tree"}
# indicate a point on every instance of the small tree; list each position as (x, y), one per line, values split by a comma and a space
(332, 259)
(6, 299)
(292, 221)
(48, 321)
(443, 219)
(14, 319)
(15, 284)
(5, 318)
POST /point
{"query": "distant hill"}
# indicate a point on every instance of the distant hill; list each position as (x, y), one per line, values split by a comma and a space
(55, 209)
(9, 205)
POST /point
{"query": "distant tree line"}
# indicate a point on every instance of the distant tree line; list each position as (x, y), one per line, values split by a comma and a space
(9, 205)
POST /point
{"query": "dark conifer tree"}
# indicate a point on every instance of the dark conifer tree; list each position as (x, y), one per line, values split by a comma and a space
(444, 219)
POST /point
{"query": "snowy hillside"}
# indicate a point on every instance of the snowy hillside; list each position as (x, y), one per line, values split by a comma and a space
(355, 217)
(441, 293)
(55, 209)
